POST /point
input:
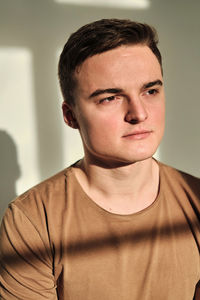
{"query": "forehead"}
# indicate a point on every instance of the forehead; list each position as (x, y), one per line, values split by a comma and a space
(120, 66)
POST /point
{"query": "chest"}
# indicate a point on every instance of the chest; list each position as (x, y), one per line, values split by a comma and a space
(154, 259)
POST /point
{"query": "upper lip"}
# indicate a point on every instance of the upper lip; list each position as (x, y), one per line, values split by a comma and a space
(142, 131)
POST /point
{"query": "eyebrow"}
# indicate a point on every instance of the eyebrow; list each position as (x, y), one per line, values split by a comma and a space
(104, 91)
(152, 83)
(118, 90)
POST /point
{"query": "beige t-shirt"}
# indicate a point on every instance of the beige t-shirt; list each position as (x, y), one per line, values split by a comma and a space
(56, 243)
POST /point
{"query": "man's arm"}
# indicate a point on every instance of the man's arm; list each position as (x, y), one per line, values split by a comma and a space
(25, 260)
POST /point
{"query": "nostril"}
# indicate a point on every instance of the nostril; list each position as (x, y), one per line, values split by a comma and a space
(133, 121)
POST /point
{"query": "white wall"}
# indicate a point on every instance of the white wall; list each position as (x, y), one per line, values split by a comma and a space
(34, 142)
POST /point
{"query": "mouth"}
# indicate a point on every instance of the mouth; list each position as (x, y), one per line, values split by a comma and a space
(138, 135)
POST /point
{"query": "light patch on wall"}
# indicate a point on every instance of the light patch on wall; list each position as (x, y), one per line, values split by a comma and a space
(137, 4)
(17, 112)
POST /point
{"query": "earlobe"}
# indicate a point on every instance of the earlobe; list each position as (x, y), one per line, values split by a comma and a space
(69, 116)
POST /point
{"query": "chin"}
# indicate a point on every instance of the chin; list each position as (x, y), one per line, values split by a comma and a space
(126, 160)
(125, 157)
(140, 156)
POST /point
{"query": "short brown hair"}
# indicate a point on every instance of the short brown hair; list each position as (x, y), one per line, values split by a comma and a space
(98, 37)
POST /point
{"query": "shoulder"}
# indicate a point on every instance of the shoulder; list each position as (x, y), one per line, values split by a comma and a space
(44, 197)
(180, 180)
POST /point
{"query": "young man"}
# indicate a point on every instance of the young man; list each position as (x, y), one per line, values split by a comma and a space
(117, 224)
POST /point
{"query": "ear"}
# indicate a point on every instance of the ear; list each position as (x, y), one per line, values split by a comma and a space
(69, 116)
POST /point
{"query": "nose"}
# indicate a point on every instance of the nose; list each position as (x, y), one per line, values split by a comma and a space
(136, 111)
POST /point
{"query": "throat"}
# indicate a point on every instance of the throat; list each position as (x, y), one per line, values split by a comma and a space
(119, 193)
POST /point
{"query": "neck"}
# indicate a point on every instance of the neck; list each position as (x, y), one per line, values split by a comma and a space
(126, 189)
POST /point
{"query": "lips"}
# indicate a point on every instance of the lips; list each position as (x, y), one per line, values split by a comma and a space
(138, 134)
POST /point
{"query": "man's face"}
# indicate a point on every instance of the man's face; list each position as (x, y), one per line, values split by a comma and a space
(120, 105)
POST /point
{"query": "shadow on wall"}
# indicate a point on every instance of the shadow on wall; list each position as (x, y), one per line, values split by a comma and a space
(9, 170)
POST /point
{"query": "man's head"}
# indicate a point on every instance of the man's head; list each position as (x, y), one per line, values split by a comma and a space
(96, 38)
(111, 78)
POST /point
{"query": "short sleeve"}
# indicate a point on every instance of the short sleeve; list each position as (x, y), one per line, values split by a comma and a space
(25, 259)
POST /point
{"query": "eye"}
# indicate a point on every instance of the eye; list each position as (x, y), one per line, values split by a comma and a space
(108, 99)
(151, 92)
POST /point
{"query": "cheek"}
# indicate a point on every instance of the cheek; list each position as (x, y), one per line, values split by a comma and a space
(158, 115)
(159, 122)
(101, 124)
(97, 131)
(161, 116)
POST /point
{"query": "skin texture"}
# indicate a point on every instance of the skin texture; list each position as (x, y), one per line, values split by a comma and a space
(119, 112)
(125, 124)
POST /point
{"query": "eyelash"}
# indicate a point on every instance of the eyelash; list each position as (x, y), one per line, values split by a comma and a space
(152, 91)
(107, 99)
